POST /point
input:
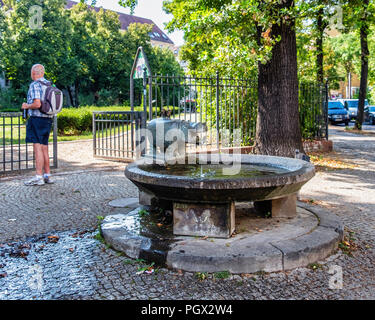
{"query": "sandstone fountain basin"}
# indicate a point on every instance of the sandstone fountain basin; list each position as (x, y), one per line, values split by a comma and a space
(202, 195)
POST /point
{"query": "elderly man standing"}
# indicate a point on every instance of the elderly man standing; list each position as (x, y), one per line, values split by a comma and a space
(38, 127)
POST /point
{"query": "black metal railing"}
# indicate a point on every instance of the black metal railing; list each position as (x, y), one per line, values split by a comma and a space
(115, 134)
(16, 154)
(228, 106)
(313, 110)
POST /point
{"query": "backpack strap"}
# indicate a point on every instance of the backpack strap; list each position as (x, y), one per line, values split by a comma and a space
(47, 83)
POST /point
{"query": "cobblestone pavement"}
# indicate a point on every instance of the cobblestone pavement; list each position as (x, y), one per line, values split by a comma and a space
(63, 260)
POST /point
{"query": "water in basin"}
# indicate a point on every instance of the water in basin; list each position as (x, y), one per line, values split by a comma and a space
(214, 171)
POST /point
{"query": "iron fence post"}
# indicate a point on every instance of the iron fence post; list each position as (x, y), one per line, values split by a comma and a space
(145, 92)
(55, 159)
(150, 96)
(131, 93)
(94, 133)
(217, 110)
(326, 108)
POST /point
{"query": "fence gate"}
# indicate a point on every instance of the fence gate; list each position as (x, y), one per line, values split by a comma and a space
(16, 154)
(115, 134)
(227, 106)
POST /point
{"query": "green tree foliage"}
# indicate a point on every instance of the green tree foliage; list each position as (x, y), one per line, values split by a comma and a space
(359, 17)
(317, 16)
(81, 48)
(347, 52)
(231, 37)
(22, 46)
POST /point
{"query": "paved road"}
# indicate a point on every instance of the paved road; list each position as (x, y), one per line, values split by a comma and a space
(77, 266)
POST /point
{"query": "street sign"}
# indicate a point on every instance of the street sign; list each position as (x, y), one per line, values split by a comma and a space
(140, 65)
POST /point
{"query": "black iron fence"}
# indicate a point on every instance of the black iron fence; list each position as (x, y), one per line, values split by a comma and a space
(313, 110)
(227, 106)
(115, 134)
(16, 154)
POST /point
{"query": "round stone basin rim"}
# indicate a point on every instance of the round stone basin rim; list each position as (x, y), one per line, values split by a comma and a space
(298, 171)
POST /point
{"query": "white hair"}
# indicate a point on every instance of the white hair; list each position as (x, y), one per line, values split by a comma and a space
(38, 69)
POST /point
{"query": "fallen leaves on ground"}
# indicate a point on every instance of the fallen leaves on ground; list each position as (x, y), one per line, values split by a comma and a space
(347, 245)
(329, 161)
(53, 239)
(147, 269)
(363, 132)
(78, 234)
(17, 253)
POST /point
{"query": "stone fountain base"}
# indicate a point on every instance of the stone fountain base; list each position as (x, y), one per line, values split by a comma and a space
(258, 244)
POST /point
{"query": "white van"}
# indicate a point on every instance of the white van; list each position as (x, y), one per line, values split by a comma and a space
(352, 106)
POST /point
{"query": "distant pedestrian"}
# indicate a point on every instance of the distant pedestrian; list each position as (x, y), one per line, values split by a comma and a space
(38, 127)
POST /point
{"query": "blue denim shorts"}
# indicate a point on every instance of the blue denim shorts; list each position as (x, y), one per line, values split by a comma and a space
(38, 130)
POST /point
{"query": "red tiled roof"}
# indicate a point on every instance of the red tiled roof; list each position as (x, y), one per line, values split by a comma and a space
(126, 19)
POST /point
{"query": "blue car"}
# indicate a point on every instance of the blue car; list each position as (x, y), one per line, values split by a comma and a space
(369, 114)
(337, 113)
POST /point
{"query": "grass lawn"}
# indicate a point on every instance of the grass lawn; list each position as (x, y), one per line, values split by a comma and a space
(17, 132)
(19, 127)
(20, 136)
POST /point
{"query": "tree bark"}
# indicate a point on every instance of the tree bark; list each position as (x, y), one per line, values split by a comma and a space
(278, 129)
(69, 89)
(319, 46)
(76, 91)
(364, 67)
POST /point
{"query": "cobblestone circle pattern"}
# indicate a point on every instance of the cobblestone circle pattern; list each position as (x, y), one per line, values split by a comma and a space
(73, 264)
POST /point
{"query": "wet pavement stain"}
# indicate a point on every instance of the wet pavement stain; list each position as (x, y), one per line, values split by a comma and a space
(43, 269)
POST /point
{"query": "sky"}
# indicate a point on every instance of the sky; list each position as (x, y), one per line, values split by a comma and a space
(151, 9)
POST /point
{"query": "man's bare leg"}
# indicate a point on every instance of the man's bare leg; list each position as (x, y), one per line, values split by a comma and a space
(39, 164)
(47, 169)
(39, 159)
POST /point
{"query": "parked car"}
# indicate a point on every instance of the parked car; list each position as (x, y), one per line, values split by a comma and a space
(337, 113)
(369, 114)
(352, 106)
(188, 105)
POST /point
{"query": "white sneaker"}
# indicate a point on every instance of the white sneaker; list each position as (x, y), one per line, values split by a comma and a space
(47, 179)
(35, 181)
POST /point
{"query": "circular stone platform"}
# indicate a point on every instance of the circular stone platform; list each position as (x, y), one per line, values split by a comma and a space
(259, 244)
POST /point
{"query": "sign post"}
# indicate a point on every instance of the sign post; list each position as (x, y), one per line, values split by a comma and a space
(140, 70)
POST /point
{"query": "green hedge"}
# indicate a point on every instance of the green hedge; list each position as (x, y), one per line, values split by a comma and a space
(75, 121)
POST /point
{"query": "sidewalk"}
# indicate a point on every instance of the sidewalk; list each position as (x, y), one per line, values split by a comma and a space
(76, 266)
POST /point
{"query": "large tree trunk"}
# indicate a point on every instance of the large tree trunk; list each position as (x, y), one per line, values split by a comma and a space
(69, 89)
(76, 91)
(319, 46)
(364, 68)
(278, 129)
